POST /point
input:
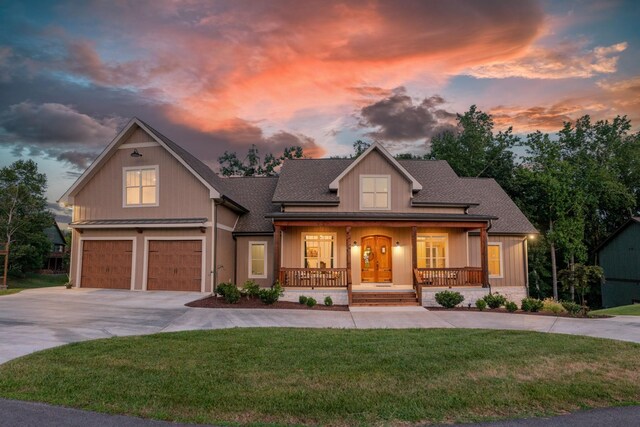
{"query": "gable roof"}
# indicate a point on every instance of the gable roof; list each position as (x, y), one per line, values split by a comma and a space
(632, 220)
(255, 193)
(376, 146)
(54, 234)
(201, 171)
(495, 201)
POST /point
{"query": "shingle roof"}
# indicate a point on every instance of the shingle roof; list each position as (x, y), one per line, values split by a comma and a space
(495, 201)
(199, 167)
(254, 193)
(307, 181)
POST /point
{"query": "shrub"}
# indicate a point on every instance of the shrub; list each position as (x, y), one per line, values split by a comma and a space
(552, 306)
(572, 308)
(271, 296)
(449, 299)
(495, 300)
(511, 306)
(251, 288)
(531, 304)
(229, 292)
(311, 302)
(328, 301)
(481, 304)
(302, 299)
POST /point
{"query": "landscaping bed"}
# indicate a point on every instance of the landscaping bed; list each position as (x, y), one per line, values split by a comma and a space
(244, 302)
(533, 313)
(285, 376)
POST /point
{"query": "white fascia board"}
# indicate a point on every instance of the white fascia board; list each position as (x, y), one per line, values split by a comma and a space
(415, 185)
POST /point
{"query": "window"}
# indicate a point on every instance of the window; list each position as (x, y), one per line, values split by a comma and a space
(374, 192)
(257, 260)
(432, 251)
(318, 250)
(495, 260)
(141, 186)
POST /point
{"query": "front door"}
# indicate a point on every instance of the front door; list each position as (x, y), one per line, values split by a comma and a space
(376, 259)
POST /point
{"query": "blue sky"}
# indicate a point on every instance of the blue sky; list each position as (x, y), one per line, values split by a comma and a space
(223, 75)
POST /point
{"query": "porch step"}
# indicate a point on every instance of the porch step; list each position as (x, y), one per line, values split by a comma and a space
(384, 298)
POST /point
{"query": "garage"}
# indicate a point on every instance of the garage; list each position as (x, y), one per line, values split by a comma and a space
(174, 265)
(106, 264)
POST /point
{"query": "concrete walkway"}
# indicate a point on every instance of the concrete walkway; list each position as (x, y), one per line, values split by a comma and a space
(36, 319)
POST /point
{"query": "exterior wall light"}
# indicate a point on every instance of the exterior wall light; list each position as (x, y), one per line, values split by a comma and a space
(135, 153)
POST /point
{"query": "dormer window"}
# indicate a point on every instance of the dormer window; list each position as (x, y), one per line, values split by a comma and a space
(140, 186)
(375, 192)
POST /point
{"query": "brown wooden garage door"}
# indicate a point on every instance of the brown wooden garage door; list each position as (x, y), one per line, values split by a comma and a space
(174, 265)
(106, 264)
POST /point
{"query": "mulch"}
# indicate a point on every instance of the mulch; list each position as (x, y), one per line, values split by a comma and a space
(504, 310)
(219, 302)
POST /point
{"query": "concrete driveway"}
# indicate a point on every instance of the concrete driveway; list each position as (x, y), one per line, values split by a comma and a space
(36, 319)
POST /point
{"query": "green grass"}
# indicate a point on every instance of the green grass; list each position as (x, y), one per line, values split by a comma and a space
(623, 310)
(31, 281)
(331, 377)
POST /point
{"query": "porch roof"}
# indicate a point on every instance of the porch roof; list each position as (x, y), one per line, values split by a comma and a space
(392, 219)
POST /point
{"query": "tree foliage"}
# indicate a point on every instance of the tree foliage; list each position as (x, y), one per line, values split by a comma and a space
(253, 165)
(23, 215)
(475, 150)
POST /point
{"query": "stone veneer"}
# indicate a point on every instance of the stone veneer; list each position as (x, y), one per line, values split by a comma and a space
(471, 295)
(339, 296)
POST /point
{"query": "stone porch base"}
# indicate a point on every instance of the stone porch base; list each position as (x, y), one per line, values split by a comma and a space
(472, 294)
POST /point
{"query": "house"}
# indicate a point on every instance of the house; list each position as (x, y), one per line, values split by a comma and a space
(148, 215)
(55, 260)
(619, 257)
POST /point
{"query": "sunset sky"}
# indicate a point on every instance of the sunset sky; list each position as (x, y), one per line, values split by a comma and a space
(217, 76)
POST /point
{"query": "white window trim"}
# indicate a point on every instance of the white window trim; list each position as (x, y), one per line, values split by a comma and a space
(257, 242)
(501, 275)
(124, 186)
(446, 248)
(334, 236)
(388, 208)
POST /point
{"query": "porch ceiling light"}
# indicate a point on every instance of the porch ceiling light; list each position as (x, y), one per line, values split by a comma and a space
(532, 236)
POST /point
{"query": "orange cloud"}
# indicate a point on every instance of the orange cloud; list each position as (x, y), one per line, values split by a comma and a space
(567, 60)
(214, 62)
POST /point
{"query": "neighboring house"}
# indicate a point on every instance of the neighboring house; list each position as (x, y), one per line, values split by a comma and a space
(619, 257)
(147, 215)
(55, 260)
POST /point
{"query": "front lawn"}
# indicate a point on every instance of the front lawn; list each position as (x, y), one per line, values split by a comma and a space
(623, 310)
(331, 377)
(31, 281)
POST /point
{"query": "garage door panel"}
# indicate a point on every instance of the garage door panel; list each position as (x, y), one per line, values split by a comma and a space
(174, 265)
(106, 264)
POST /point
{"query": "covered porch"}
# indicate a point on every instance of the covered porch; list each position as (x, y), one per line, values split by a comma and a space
(378, 256)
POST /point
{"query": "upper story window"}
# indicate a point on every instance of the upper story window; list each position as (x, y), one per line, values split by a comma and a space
(375, 192)
(140, 186)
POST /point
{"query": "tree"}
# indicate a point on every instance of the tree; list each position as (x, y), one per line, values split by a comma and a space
(580, 277)
(474, 150)
(230, 165)
(23, 214)
(360, 147)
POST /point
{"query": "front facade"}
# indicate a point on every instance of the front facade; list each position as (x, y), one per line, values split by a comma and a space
(147, 215)
(619, 257)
